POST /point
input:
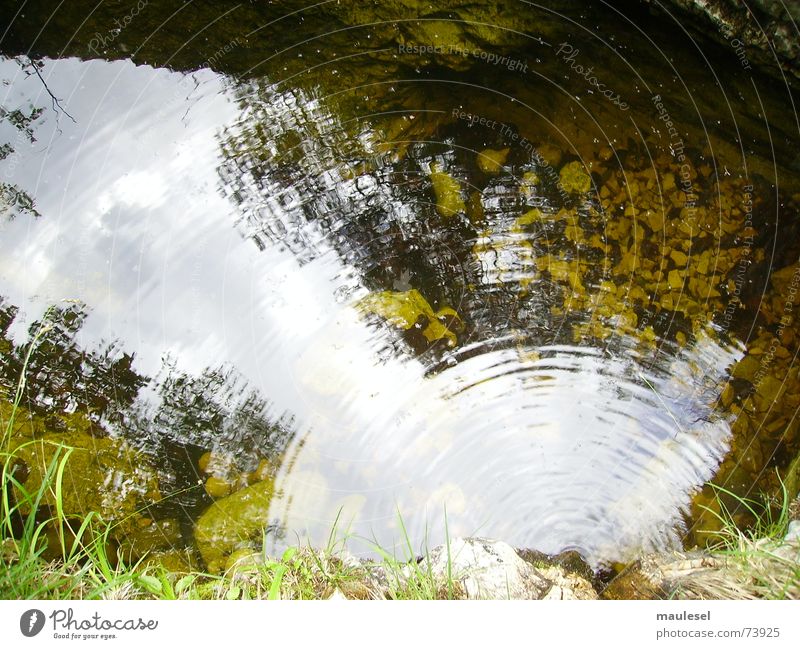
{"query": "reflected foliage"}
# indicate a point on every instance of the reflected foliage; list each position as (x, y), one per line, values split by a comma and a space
(13, 200)
(62, 377)
(172, 417)
(559, 224)
(530, 245)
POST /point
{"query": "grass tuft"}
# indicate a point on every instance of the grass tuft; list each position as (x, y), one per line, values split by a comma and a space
(755, 563)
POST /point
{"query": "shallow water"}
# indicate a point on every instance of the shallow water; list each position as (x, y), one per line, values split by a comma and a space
(345, 285)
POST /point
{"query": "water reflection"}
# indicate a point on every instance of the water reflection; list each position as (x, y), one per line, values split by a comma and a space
(489, 372)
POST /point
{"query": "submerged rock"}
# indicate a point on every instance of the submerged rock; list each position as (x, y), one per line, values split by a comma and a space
(491, 161)
(447, 190)
(233, 523)
(409, 308)
(175, 561)
(792, 482)
(218, 487)
(763, 568)
(101, 475)
(574, 178)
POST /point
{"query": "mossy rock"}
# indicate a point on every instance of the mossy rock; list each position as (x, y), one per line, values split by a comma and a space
(101, 475)
(405, 309)
(447, 190)
(151, 536)
(574, 178)
(233, 523)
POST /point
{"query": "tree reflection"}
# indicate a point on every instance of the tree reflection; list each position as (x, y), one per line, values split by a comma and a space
(214, 411)
(173, 417)
(305, 176)
(13, 200)
(61, 377)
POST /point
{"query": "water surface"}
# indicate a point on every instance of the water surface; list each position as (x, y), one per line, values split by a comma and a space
(431, 301)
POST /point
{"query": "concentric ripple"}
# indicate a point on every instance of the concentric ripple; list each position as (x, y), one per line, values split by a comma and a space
(550, 447)
(464, 371)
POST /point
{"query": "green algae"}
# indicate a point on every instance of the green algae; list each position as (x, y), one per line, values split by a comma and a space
(102, 474)
(574, 178)
(233, 523)
(406, 309)
(449, 201)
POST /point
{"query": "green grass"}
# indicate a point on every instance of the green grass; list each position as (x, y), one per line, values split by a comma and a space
(750, 563)
(55, 557)
(769, 513)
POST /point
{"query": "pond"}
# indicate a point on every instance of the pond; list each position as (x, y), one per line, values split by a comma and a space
(513, 271)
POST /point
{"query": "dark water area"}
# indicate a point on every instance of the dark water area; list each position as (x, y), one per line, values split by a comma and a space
(526, 271)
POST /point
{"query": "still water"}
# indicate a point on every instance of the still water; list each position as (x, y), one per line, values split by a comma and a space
(437, 305)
